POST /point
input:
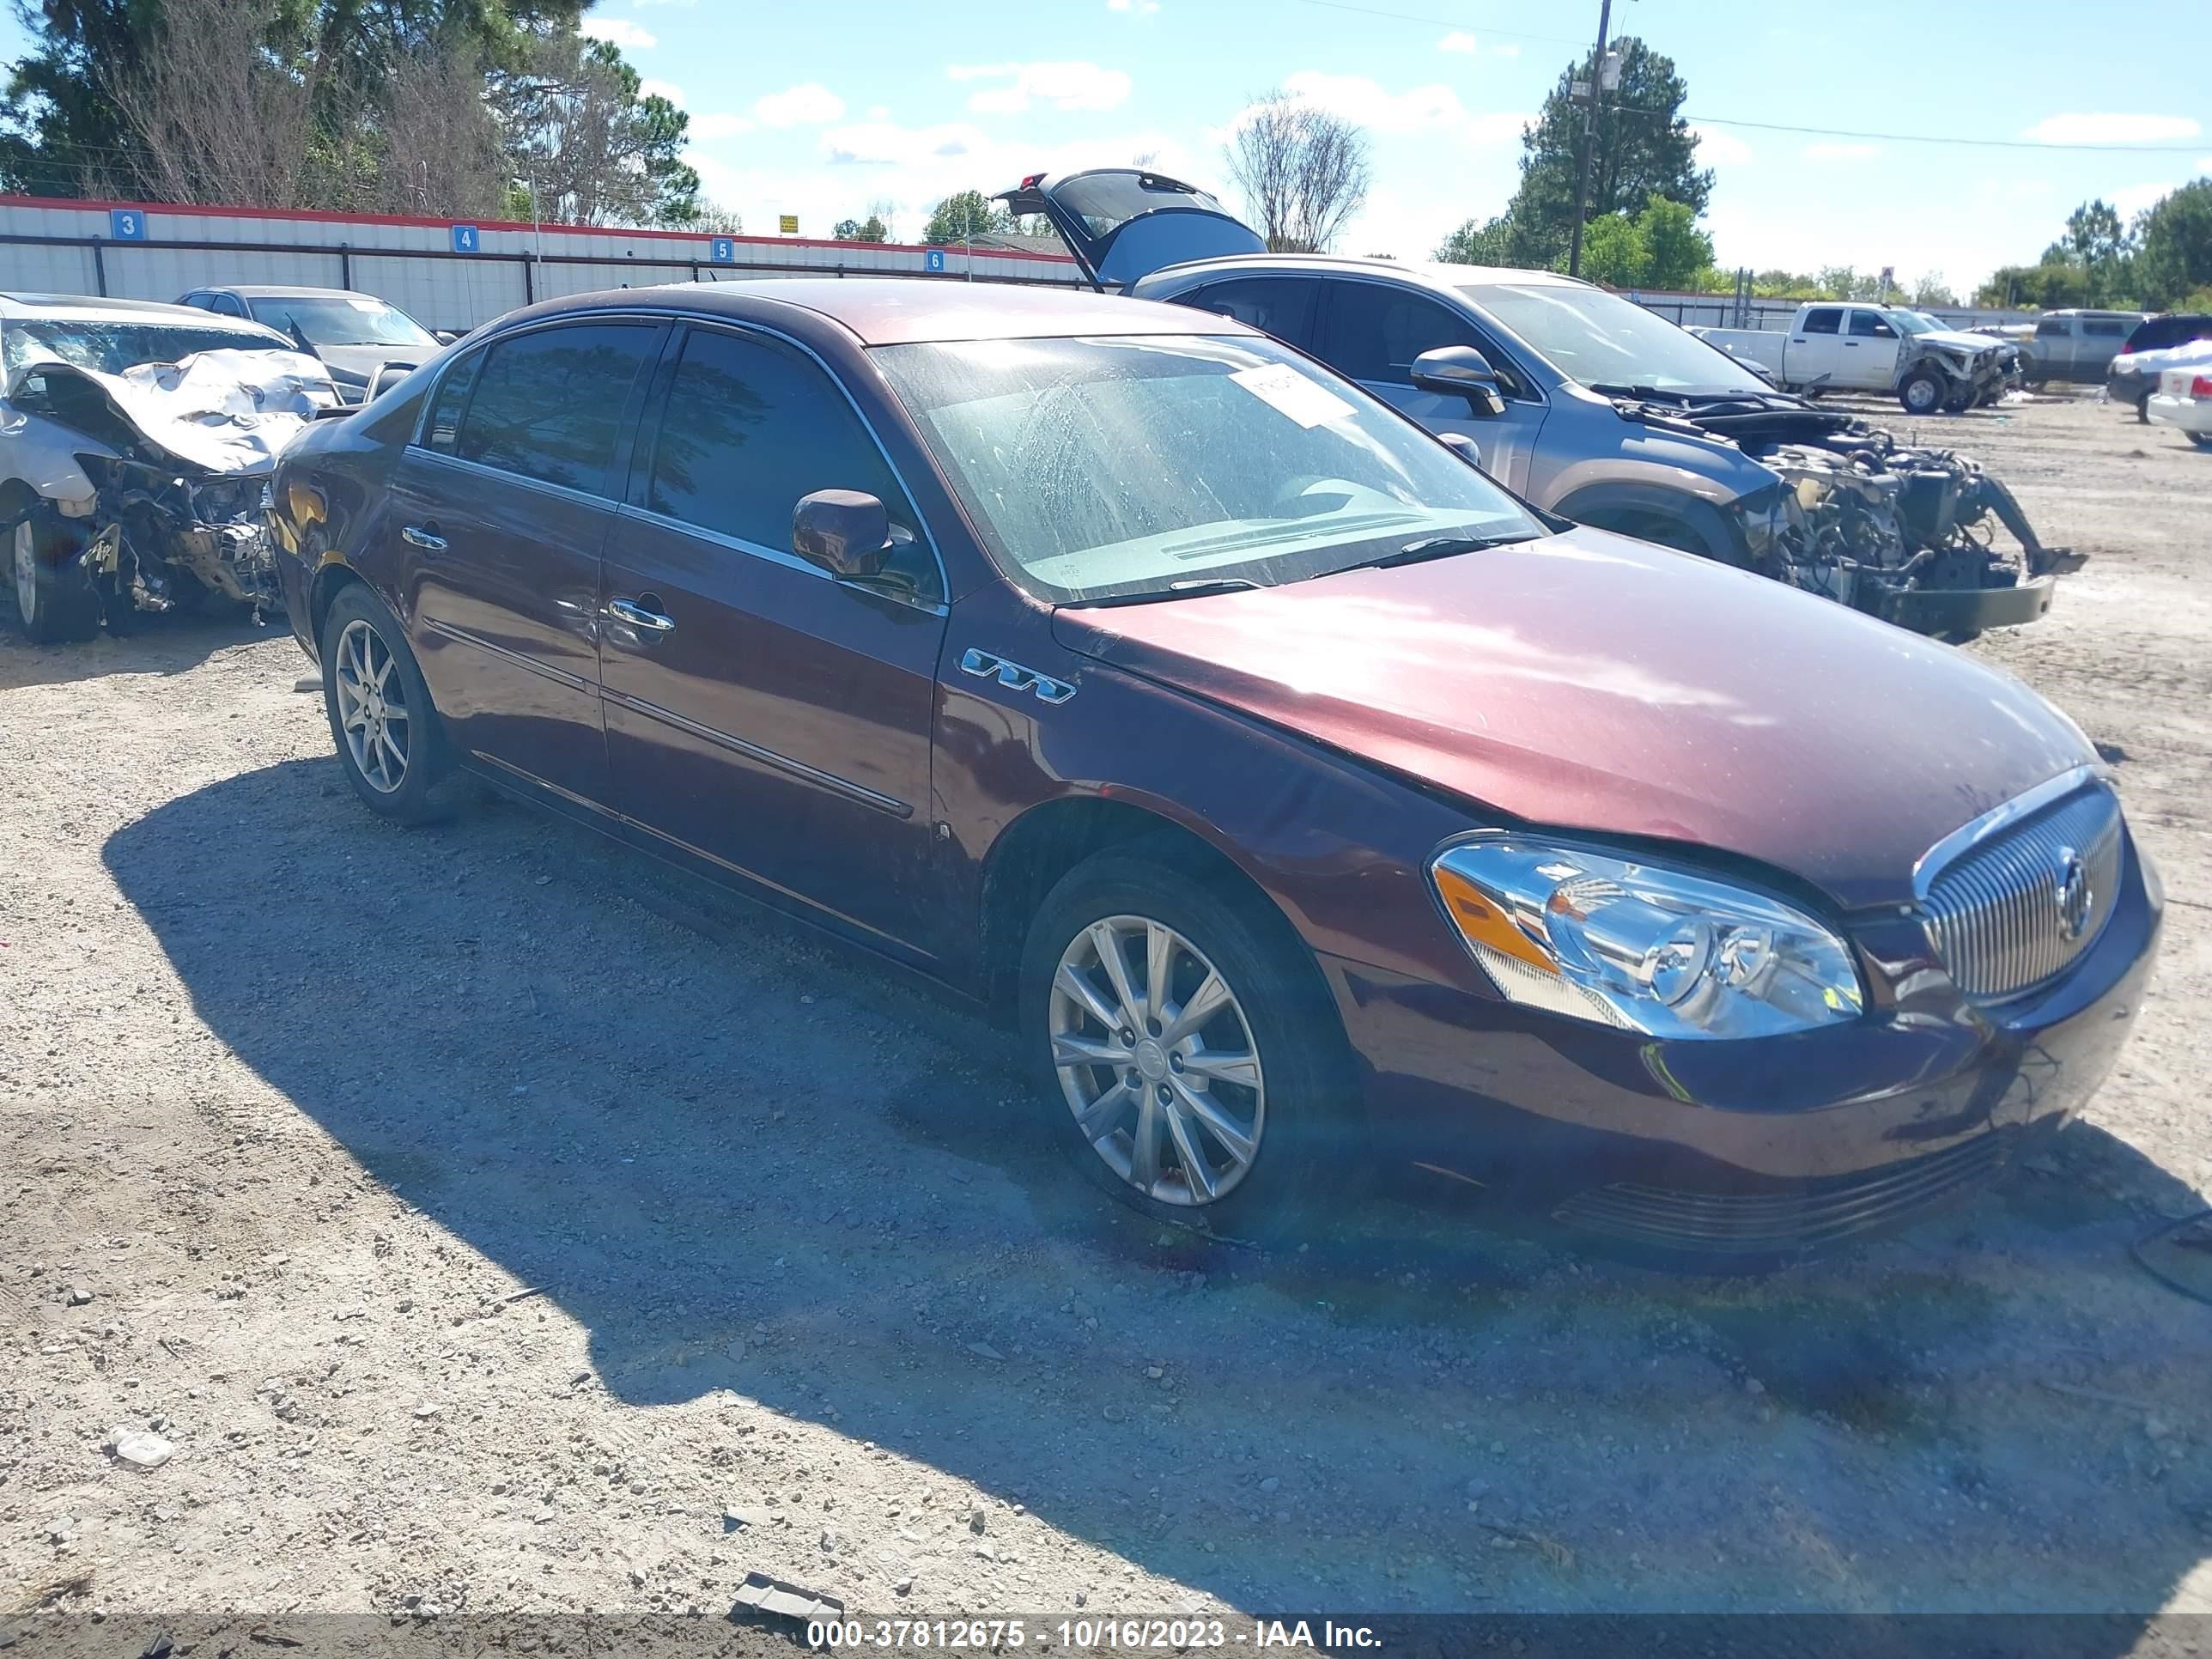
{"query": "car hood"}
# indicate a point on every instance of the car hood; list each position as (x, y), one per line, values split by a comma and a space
(222, 411)
(1592, 683)
(1957, 341)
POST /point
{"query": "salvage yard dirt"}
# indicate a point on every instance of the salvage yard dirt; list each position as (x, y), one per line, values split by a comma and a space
(472, 1218)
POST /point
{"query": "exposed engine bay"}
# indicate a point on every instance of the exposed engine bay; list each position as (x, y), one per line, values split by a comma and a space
(146, 490)
(1901, 532)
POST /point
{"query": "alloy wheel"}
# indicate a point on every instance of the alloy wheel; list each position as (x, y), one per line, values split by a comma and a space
(27, 573)
(373, 708)
(1156, 1061)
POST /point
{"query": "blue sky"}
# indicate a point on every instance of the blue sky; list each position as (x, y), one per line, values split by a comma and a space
(825, 109)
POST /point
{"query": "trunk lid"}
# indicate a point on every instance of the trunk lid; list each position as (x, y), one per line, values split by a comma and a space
(1587, 682)
(1123, 223)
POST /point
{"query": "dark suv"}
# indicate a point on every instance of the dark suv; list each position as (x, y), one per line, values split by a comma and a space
(1303, 796)
(2132, 376)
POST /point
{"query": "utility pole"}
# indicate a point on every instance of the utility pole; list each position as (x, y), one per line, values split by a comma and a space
(1596, 91)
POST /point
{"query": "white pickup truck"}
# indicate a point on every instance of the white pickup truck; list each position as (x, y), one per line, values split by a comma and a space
(1867, 348)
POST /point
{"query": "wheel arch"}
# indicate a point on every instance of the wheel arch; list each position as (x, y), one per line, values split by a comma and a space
(323, 590)
(1032, 854)
(1613, 504)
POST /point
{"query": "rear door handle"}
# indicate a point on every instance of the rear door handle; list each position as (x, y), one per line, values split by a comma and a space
(630, 611)
(424, 535)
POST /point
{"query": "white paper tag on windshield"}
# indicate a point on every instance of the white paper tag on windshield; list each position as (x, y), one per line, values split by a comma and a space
(1284, 390)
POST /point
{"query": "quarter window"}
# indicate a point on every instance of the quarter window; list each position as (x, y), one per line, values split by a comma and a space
(1829, 321)
(549, 403)
(1375, 330)
(1280, 305)
(750, 427)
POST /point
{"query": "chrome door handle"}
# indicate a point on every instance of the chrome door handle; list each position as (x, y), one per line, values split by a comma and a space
(427, 538)
(637, 615)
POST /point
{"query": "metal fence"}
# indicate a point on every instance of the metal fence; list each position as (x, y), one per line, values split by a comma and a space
(444, 274)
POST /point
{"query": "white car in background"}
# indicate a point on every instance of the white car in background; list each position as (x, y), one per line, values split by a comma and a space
(2184, 399)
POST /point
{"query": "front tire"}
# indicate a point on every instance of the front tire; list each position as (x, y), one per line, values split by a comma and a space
(389, 739)
(1189, 1055)
(1921, 393)
(55, 600)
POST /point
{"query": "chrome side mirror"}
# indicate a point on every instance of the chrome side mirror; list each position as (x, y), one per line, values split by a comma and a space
(1461, 370)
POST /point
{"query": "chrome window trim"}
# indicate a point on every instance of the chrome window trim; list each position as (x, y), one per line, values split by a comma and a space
(559, 676)
(1998, 820)
(771, 555)
(562, 492)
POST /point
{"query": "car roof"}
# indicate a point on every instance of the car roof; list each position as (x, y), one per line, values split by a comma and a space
(1433, 272)
(902, 310)
(281, 291)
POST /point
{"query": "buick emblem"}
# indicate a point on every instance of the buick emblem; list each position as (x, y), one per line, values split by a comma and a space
(2072, 891)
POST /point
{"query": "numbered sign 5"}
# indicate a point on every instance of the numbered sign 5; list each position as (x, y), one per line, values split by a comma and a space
(725, 251)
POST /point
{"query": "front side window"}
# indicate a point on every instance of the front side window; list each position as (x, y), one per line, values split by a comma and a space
(444, 430)
(750, 427)
(1869, 325)
(2050, 327)
(1147, 466)
(549, 403)
(1280, 305)
(1375, 330)
(1829, 321)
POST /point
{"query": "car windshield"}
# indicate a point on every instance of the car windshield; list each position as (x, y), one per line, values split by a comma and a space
(110, 348)
(342, 319)
(1603, 340)
(1151, 466)
(1915, 322)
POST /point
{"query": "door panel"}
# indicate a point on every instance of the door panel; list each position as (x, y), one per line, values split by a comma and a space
(1370, 332)
(779, 725)
(497, 520)
(1816, 347)
(1869, 351)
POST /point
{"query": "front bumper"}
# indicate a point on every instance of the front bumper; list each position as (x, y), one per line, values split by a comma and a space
(1942, 610)
(1735, 1151)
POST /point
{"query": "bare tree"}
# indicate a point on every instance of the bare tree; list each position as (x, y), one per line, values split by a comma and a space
(438, 145)
(1303, 171)
(219, 120)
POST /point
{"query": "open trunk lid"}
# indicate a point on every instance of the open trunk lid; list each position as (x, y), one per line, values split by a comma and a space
(1124, 223)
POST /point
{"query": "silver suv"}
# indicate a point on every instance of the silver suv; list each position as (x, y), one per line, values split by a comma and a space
(1589, 405)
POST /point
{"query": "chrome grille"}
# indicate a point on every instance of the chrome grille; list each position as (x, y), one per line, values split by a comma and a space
(2008, 911)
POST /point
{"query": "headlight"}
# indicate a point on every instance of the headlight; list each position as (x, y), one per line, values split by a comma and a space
(1642, 946)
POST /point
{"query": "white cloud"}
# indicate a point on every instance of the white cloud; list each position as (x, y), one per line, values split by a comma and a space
(2111, 129)
(880, 112)
(718, 125)
(884, 143)
(2135, 198)
(1357, 98)
(1717, 147)
(1841, 152)
(620, 30)
(1139, 8)
(807, 104)
(1457, 41)
(2205, 164)
(668, 89)
(1507, 49)
(1070, 86)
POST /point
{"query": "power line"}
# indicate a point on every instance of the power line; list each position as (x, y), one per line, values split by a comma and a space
(1774, 126)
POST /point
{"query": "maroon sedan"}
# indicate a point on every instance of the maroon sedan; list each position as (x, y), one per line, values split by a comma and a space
(1309, 801)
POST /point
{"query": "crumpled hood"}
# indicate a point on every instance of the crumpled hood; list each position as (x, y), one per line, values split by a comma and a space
(1592, 683)
(227, 411)
(1957, 341)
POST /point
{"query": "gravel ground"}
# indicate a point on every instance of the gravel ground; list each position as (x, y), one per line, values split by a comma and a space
(486, 1222)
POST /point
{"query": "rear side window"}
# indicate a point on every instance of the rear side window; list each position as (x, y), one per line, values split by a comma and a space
(549, 405)
(445, 428)
(1830, 321)
(2104, 328)
(1868, 325)
(1375, 331)
(750, 427)
(1280, 305)
(2161, 333)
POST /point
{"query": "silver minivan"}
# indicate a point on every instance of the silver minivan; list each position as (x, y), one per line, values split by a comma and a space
(1588, 404)
(2075, 345)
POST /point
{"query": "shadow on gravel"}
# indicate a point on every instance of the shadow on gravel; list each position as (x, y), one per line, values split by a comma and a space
(152, 645)
(743, 1159)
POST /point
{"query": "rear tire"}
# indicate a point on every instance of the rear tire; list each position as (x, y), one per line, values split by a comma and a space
(1260, 1091)
(55, 600)
(2202, 440)
(390, 742)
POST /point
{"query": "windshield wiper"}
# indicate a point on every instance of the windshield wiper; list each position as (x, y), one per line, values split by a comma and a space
(1436, 547)
(1187, 589)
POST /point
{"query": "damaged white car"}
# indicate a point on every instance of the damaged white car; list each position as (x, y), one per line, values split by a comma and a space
(136, 444)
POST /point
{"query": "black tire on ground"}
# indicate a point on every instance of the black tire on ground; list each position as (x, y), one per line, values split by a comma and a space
(416, 794)
(2202, 440)
(1921, 393)
(1312, 1150)
(55, 599)
(2142, 407)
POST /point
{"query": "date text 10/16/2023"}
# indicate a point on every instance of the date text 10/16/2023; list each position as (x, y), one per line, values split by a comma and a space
(1098, 1634)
